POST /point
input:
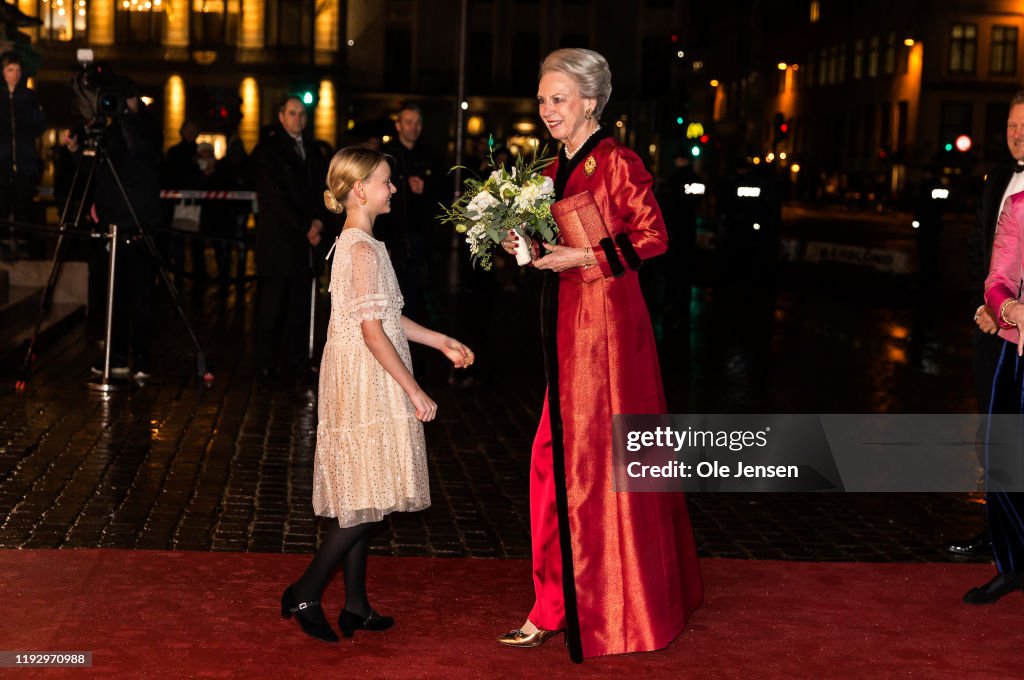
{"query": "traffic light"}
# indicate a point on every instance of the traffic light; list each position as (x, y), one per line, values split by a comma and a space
(307, 93)
(781, 128)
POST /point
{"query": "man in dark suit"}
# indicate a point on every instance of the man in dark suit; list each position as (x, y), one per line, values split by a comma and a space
(1003, 181)
(289, 176)
(406, 230)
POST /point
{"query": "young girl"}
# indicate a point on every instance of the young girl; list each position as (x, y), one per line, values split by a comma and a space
(370, 453)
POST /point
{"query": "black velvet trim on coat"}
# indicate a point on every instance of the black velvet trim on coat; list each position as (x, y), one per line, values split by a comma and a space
(614, 263)
(628, 252)
(566, 166)
(549, 338)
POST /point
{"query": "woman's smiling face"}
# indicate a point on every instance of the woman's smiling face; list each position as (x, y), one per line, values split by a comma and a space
(562, 108)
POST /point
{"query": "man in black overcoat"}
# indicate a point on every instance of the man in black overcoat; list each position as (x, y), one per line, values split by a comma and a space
(289, 176)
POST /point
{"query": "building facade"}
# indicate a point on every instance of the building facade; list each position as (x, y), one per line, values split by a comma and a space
(224, 64)
(866, 97)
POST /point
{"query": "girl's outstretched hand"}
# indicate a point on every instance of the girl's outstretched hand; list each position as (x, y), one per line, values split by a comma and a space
(460, 355)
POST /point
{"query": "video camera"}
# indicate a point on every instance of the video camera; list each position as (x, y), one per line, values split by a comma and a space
(100, 94)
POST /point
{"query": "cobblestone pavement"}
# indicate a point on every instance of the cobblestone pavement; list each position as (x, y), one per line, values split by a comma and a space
(176, 465)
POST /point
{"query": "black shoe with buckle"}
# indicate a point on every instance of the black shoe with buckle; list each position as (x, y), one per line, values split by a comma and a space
(309, 615)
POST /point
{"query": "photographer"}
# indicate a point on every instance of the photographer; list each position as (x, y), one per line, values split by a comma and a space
(133, 143)
(21, 123)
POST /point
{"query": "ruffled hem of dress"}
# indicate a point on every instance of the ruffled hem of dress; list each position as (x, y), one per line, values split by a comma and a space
(351, 518)
(362, 473)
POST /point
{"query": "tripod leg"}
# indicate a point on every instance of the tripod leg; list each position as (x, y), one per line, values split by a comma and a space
(55, 266)
(109, 326)
(151, 246)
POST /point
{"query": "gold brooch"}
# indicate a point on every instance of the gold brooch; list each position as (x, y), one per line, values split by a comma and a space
(589, 166)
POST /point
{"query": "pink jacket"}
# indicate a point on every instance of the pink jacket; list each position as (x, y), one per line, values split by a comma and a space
(1006, 271)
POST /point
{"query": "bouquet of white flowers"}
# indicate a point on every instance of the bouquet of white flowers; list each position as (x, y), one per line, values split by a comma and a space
(518, 199)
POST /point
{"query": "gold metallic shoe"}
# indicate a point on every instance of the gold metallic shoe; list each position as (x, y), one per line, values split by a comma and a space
(517, 638)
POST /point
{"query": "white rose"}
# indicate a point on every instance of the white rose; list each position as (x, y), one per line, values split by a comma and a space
(547, 186)
(507, 190)
(480, 203)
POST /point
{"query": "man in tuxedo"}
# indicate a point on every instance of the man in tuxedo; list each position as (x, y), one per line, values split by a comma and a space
(289, 175)
(1001, 183)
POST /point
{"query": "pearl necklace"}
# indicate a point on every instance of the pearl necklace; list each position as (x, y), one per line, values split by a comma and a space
(570, 154)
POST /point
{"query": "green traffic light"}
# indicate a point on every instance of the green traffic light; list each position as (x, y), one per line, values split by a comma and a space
(307, 98)
(695, 151)
(949, 147)
(679, 120)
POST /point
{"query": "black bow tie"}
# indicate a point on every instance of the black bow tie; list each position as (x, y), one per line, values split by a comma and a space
(1019, 167)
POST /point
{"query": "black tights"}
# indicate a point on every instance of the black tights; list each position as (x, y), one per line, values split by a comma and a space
(347, 546)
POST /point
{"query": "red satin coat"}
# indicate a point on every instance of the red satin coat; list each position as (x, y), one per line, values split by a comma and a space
(634, 565)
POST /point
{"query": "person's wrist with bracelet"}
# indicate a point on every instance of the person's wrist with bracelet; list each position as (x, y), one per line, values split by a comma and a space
(588, 258)
(1002, 312)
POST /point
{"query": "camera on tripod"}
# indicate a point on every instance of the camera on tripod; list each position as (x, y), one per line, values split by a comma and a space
(100, 94)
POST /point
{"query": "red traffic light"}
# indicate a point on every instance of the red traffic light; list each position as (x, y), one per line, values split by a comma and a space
(784, 128)
(704, 139)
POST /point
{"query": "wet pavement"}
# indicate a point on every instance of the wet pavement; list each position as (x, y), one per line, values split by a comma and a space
(227, 467)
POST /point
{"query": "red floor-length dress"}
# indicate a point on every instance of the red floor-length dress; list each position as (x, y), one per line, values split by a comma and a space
(618, 571)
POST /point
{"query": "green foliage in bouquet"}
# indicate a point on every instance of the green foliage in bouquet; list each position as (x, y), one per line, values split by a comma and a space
(517, 199)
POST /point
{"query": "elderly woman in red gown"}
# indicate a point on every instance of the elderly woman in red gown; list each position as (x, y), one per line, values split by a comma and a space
(617, 572)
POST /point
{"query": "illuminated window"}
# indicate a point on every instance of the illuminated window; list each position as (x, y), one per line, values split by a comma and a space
(63, 20)
(1004, 51)
(138, 21)
(890, 54)
(963, 48)
(214, 22)
(815, 11)
(873, 57)
(858, 59)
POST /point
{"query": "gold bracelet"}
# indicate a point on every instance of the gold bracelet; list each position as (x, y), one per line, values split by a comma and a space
(1002, 312)
(588, 258)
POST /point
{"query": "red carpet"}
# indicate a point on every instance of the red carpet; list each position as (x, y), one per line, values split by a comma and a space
(150, 614)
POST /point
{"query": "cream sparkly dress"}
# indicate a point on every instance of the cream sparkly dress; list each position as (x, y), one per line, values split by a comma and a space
(370, 452)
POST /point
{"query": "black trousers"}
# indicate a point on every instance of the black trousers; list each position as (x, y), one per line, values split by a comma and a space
(132, 325)
(1005, 510)
(283, 312)
(987, 349)
(16, 199)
